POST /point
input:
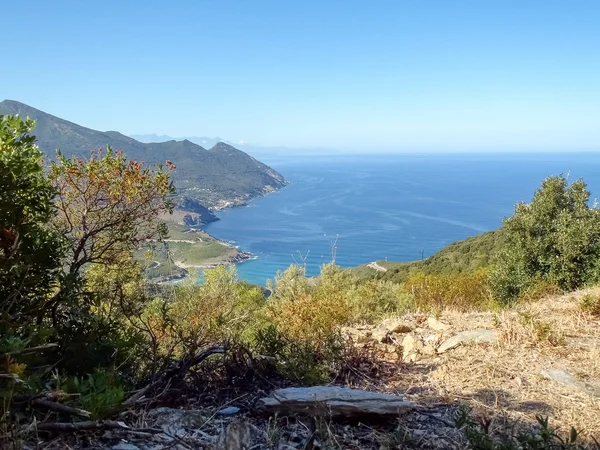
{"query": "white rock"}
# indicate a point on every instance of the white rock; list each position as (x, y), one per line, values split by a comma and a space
(473, 336)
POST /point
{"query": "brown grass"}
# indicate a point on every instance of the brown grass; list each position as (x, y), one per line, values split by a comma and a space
(504, 380)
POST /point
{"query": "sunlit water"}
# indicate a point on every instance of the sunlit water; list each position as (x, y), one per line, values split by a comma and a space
(399, 207)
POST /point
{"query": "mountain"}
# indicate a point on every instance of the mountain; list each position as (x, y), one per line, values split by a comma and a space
(217, 178)
(203, 141)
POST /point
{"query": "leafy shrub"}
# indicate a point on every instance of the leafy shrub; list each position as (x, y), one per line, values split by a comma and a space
(99, 392)
(554, 238)
(462, 291)
(222, 309)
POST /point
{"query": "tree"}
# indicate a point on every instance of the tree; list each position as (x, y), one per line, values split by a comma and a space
(555, 238)
(107, 207)
(31, 251)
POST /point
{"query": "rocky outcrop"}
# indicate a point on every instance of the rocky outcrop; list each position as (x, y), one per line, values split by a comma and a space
(333, 401)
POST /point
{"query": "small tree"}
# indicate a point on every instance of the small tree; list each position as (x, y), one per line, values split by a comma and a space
(555, 238)
(107, 207)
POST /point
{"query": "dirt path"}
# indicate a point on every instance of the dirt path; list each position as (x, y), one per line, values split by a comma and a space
(377, 267)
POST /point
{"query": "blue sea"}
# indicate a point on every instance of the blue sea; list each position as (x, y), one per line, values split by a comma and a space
(398, 207)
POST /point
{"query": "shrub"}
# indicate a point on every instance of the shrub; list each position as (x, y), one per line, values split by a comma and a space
(462, 291)
(555, 238)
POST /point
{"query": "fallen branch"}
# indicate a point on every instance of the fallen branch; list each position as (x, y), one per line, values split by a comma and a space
(178, 371)
(68, 427)
(60, 408)
(29, 350)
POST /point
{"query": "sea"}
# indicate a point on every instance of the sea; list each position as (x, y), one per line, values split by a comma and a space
(355, 209)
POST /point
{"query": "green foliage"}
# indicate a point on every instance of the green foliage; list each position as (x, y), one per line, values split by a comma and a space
(305, 318)
(460, 257)
(482, 435)
(99, 392)
(555, 238)
(30, 253)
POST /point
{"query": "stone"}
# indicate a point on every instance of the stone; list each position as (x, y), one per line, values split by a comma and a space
(473, 336)
(237, 436)
(411, 344)
(124, 446)
(569, 381)
(381, 335)
(334, 401)
(436, 325)
(429, 350)
(229, 411)
(397, 326)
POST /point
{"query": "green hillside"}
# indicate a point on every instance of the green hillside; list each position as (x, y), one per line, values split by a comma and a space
(459, 257)
(220, 177)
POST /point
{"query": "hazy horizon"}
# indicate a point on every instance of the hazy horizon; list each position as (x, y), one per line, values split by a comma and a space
(350, 77)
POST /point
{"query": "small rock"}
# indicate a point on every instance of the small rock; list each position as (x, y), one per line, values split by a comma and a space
(229, 411)
(411, 357)
(436, 325)
(397, 326)
(334, 401)
(473, 336)
(124, 446)
(411, 344)
(566, 379)
(381, 335)
(429, 350)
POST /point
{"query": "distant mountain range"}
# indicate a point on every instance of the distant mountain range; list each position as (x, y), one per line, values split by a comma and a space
(203, 141)
(217, 178)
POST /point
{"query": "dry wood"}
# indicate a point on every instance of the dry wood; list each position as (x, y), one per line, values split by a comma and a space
(60, 408)
(69, 427)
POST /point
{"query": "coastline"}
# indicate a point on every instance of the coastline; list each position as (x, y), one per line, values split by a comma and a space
(185, 260)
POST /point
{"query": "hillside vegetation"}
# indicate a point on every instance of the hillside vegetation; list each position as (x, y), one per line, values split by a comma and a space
(91, 354)
(465, 256)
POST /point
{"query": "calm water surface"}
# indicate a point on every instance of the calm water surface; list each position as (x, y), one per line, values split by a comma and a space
(398, 207)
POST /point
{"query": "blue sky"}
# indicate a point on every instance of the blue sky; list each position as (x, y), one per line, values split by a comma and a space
(448, 75)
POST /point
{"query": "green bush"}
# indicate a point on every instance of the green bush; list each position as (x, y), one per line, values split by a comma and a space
(555, 238)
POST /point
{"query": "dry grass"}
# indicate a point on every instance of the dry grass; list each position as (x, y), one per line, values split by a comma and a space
(504, 380)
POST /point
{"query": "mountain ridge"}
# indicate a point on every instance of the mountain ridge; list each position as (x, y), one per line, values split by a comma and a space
(219, 177)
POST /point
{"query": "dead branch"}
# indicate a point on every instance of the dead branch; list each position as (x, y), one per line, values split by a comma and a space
(68, 427)
(178, 371)
(29, 350)
(59, 408)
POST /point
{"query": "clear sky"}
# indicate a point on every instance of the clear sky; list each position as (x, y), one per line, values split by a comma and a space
(382, 75)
